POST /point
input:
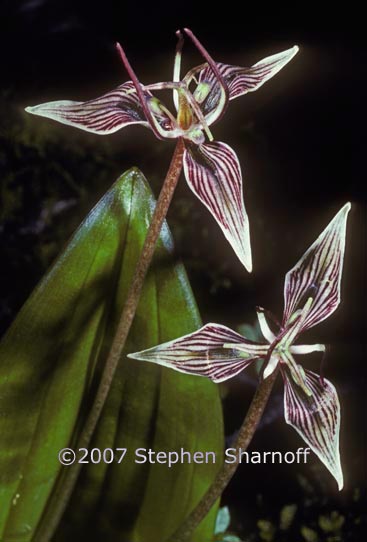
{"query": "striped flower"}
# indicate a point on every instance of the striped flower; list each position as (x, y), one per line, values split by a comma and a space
(311, 294)
(211, 167)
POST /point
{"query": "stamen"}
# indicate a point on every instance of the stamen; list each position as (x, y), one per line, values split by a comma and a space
(270, 366)
(297, 372)
(301, 317)
(177, 65)
(264, 326)
(165, 110)
(269, 315)
(302, 349)
(190, 76)
(150, 118)
(199, 114)
(165, 85)
(214, 67)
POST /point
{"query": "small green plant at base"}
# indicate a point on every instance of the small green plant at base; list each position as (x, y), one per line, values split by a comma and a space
(221, 525)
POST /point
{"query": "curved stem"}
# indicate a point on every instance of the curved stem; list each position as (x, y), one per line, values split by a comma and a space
(227, 471)
(62, 495)
(159, 133)
(213, 66)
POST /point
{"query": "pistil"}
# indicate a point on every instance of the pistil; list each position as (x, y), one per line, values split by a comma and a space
(184, 116)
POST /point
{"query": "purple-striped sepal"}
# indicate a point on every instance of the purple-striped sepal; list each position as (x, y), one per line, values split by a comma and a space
(318, 275)
(316, 418)
(239, 80)
(203, 353)
(104, 115)
(213, 173)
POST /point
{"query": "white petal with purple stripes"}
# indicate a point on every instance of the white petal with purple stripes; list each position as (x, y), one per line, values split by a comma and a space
(214, 175)
(103, 115)
(316, 418)
(202, 353)
(243, 80)
(240, 80)
(318, 274)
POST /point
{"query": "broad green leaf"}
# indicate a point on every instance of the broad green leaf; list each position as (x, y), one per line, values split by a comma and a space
(50, 362)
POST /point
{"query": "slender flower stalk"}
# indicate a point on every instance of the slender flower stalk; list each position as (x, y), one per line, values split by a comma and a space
(62, 496)
(311, 294)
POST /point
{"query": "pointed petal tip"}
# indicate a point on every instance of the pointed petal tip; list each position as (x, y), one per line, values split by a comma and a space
(342, 214)
(135, 355)
(29, 109)
(283, 57)
(346, 208)
(241, 244)
(243, 250)
(337, 473)
(247, 262)
(290, 53)
(141, 356)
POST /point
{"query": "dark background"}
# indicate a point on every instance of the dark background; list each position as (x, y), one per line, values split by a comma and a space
(301, 143)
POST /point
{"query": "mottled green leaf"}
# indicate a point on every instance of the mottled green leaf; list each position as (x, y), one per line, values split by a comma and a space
(50, 362)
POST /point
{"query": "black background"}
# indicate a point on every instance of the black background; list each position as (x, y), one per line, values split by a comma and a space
(301, 143)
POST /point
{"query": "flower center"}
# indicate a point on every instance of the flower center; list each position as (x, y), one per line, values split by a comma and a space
(280, 349)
